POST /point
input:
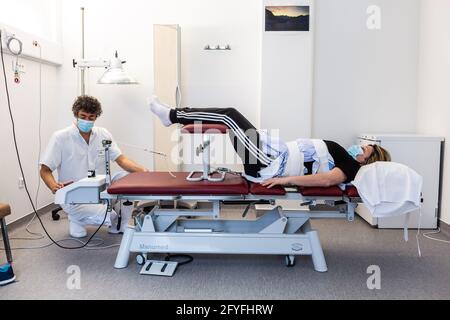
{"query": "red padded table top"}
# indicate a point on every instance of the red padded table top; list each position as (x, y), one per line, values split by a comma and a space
(321, 192)
(209, 128)
(352, 192)
(259, 190)
(162, 183)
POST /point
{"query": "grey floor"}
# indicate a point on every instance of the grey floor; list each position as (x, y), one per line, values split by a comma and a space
(350, 248)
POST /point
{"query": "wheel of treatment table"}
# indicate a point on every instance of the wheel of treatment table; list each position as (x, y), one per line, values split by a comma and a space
(140, 259)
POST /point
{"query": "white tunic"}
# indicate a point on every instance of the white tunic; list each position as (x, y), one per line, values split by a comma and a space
(69, 154)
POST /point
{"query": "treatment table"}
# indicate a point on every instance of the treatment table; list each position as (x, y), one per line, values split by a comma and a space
(205, 230)
(276, 232)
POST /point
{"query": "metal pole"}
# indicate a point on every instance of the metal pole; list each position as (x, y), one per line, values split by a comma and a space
(107, 146)
(83, 84)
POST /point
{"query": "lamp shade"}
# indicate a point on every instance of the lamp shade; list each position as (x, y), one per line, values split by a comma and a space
(116, 75)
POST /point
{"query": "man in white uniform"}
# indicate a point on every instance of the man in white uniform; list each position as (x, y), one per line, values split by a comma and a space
(78, 150)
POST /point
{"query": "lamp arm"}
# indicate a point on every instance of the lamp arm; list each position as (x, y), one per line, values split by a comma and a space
(84, 63)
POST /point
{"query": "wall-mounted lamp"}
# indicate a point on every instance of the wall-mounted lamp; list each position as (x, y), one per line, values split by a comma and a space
(114, 73)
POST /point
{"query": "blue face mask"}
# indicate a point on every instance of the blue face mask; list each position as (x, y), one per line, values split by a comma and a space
(355, 151)
(85, 125)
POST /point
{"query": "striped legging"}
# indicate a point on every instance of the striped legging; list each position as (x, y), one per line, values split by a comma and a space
(243, 135)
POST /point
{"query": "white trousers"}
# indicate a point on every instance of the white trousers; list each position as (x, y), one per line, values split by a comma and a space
(94, 214)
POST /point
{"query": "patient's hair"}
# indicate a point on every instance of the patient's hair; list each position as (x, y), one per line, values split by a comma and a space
(379, 154)
(87, 104)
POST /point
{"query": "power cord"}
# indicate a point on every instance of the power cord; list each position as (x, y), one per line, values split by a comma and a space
(188, 258)
(88, 247)
(17, 53)
(229, 171)
(21, 167)
(39, 235)
(428, 234)
(8, 45)
(419, 250)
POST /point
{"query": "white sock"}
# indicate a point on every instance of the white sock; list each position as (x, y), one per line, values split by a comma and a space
(161, 110)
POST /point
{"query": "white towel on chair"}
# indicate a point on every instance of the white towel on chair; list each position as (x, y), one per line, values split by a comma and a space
(389, 189)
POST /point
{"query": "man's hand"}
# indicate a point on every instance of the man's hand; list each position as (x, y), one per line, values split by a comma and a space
(56, 186)
(270, 183)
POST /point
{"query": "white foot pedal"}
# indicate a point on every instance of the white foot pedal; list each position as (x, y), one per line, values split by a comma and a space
(159, 268)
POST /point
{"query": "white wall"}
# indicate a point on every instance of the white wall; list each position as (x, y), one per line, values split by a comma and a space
(209, 78)
(287, 73)
(25, 107)
(365, 81)
(38, 17)
(434, 72)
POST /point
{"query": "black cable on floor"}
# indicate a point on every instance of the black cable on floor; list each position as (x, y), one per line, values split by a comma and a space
(188, 258)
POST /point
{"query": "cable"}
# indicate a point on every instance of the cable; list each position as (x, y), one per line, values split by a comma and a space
(227, 170)
(152, 152)
(181, 97)
(188, 258)
(40, 120)
(78, 81)
(16, 54)
(418, 233)
(91, 247)
(21, 167)
(39, 235)
(88, 247)
(427, 235)
(8, 45)
(103, 248)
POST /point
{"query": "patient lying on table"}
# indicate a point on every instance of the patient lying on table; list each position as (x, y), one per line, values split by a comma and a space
(304, 162)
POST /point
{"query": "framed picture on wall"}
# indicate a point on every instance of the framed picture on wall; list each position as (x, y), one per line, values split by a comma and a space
(287, 18)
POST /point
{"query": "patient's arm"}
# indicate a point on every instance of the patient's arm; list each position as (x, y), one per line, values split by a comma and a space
(129, 165)
(331, 178)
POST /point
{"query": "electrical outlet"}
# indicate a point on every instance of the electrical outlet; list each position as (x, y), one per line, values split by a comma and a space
(21, 183)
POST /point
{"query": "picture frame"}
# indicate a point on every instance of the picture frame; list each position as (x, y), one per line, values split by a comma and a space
(290, 18)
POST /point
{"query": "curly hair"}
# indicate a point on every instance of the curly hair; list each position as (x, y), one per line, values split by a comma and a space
(87, 104)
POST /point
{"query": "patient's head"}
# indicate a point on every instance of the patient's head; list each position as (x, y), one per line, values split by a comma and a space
(373, 153)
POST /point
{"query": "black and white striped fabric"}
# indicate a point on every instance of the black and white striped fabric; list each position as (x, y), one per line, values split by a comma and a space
(243, 134)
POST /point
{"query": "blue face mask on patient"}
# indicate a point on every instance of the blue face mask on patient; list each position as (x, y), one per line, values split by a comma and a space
(355, 151)
(85, 125)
